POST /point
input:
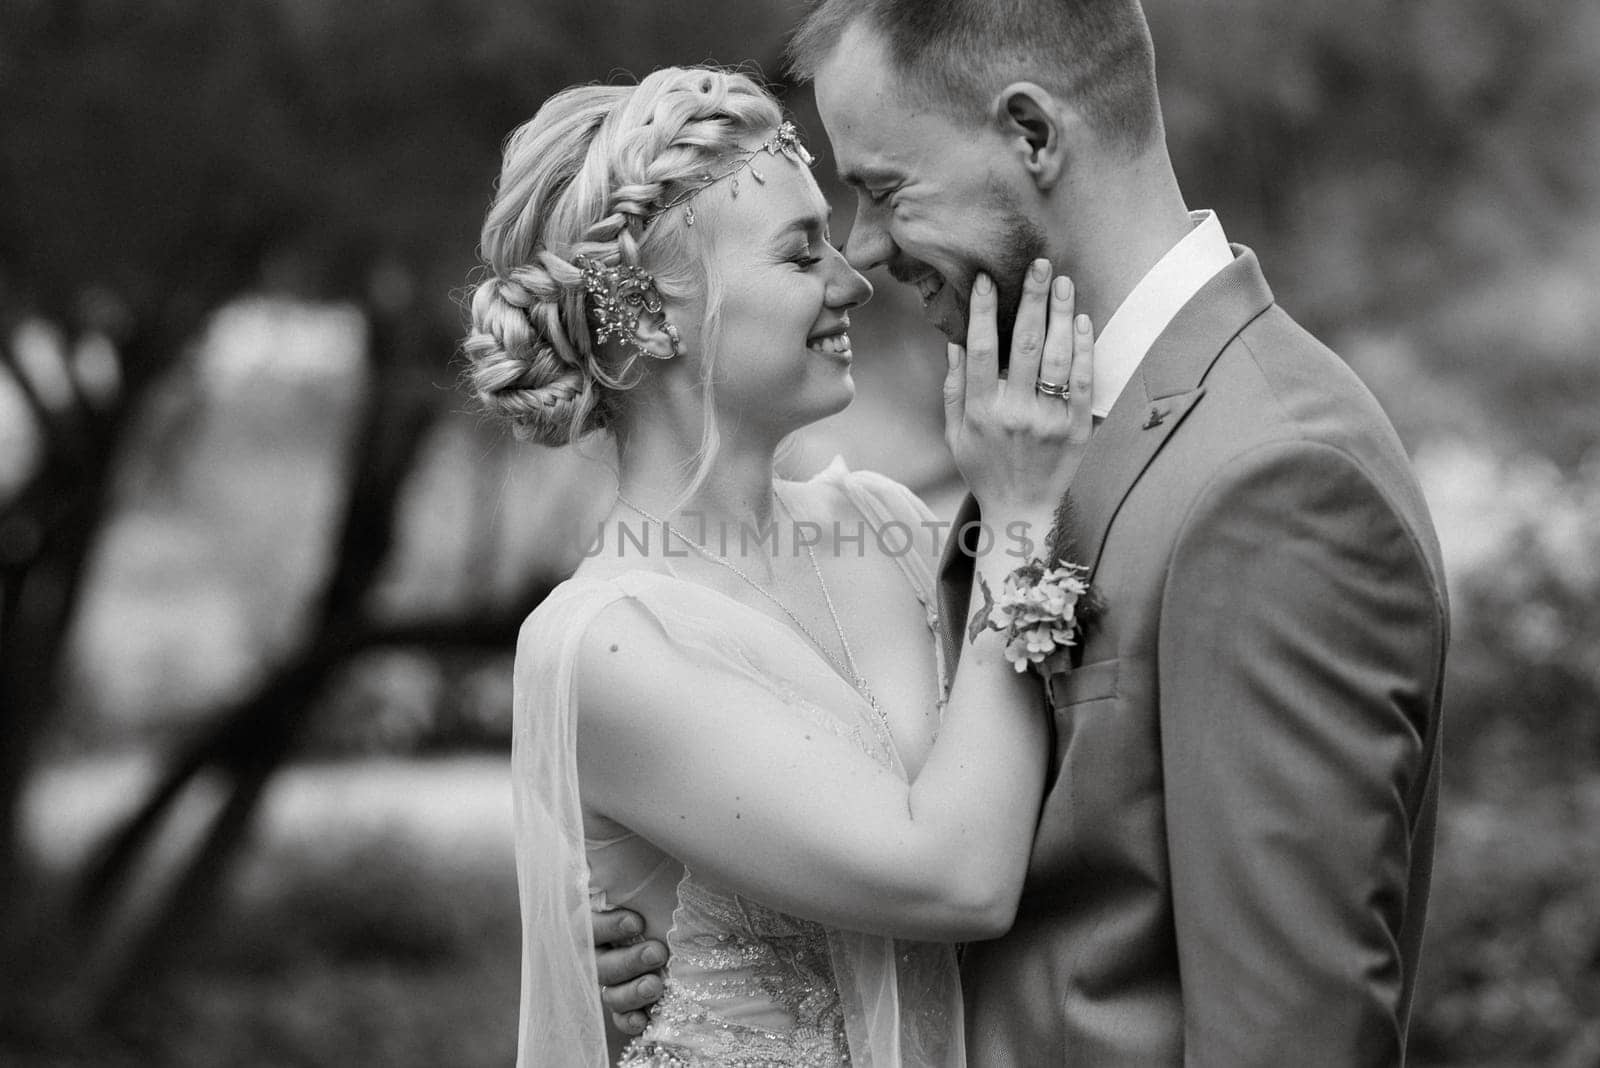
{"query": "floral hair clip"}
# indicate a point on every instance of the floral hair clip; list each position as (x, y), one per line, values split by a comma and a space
(1041, 611)
(785, 142)
(617, 297)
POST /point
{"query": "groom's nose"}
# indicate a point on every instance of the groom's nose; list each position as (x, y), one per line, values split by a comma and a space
(869, 244)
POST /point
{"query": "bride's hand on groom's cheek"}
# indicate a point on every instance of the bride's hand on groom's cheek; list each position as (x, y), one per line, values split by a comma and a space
(1017, 436)
(629, 983)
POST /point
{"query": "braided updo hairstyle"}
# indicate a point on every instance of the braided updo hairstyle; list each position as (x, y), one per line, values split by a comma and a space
(584, 178)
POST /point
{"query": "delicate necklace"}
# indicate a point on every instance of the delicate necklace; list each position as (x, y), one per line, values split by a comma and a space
(848, 668)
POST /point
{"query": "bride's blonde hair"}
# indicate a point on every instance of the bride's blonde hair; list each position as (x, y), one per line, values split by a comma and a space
(586, 177)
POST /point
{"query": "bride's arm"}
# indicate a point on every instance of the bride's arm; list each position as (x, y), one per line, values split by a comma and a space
(715, 771)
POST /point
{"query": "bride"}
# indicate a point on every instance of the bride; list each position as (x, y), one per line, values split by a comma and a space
(731, 719)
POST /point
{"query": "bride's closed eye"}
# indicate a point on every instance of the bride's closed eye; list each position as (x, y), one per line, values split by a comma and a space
(804, 259)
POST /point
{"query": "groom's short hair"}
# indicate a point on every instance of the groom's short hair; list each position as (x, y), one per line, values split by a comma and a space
(959, 53)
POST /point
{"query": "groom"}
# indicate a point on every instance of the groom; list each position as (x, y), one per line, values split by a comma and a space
(1232, 863)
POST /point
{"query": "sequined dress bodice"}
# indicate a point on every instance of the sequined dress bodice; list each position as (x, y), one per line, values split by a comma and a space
(746, 986)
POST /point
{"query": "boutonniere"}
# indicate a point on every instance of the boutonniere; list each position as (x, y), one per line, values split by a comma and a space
(1040, 610)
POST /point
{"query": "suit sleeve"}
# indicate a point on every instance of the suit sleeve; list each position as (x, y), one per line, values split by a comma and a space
(1300, 646)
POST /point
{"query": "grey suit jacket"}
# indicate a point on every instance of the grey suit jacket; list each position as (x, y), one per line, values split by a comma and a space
(1232, 860)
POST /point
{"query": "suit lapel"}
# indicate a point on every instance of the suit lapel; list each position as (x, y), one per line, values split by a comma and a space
(1165, 389)
(1122, 448)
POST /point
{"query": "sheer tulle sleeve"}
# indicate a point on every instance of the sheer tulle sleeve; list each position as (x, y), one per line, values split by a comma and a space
(560, 1017)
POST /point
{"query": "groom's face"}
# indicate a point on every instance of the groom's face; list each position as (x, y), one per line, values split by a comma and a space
(938, 198)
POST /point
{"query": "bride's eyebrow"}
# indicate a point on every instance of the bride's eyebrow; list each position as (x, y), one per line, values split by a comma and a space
(809, 224)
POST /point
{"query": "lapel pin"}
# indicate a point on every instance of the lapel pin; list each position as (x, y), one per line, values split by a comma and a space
(1156, 417)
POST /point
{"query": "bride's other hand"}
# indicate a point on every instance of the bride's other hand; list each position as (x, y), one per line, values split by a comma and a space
(1016, 445)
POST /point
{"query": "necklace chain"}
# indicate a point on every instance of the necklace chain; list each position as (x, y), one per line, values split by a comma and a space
(848, 668)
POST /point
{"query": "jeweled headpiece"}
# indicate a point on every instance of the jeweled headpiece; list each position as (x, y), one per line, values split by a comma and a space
(616, 298)
(785, 142)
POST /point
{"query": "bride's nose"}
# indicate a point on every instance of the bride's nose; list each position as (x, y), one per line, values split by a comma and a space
(847, 287)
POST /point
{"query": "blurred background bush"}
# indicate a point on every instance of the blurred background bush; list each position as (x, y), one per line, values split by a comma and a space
(262, 566)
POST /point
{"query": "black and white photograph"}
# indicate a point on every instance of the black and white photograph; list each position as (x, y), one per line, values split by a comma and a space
(815, 533)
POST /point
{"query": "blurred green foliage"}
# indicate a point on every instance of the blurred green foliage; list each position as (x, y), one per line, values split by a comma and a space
(1514, 934)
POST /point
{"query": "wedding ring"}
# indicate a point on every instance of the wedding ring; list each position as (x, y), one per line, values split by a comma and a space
(1052, 389)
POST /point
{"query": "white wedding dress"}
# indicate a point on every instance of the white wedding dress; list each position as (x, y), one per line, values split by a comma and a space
(746, 985)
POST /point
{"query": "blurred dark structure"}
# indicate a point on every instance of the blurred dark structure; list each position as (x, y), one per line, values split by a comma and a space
(1422, 182)
(162, 160)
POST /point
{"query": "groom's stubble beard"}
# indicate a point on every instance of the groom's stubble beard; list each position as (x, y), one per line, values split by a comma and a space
(1022, 241)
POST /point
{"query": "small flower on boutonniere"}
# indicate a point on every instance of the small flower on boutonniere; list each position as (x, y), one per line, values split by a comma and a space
(1040, 610)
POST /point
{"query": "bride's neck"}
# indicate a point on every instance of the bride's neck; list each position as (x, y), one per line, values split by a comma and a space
(654, 468)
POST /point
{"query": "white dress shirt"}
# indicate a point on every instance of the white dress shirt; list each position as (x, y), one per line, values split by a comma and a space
(1153, 304)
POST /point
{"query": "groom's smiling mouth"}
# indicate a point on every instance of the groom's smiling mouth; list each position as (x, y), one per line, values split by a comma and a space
(928, 285)
(931, 286)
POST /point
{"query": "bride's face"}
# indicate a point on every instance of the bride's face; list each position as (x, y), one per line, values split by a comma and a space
(783, 356)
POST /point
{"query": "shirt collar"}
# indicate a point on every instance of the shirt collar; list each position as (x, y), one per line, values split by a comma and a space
(1134, 327)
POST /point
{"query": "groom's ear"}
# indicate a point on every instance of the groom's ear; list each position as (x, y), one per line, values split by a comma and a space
(1038, 128)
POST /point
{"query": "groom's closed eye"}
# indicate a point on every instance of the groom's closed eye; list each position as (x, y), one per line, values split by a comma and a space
(874, 186)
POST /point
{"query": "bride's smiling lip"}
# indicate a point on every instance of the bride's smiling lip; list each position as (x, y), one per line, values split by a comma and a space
(833, 331)
(832, 342)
